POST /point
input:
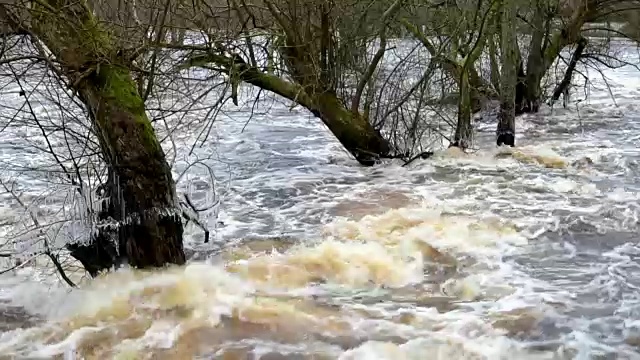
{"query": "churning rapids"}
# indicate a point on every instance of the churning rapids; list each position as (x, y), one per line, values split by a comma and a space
(529, 253)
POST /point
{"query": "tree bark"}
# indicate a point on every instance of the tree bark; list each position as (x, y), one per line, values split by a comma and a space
(142, 192)
(509, 76)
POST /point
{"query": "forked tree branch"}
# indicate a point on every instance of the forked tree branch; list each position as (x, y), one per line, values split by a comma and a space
(382, 34)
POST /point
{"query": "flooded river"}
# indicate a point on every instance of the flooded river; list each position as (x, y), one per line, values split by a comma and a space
(525, 254)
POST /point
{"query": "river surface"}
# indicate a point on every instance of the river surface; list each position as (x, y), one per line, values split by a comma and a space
(525, 254)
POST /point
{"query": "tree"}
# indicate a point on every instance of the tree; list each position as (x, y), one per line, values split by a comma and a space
(451, 55)
(466, 37)
(508, 50)
(555, 25)
(140, 190)
(320, 60)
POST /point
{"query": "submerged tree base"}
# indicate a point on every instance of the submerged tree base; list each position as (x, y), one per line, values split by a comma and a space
(151, 241)
(96, 257)
(102, 254)
(144, 238)
(506, 139)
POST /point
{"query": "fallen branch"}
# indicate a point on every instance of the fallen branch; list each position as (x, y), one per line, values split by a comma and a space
(19, 265)
(193, 217)
(423, 155)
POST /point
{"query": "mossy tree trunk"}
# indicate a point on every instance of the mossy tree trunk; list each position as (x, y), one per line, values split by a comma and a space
(352, 129)
(314, 61)
(141, 191)
(509, 75)
(311, 56)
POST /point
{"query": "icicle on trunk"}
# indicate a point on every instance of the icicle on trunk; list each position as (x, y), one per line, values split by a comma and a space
(141, 191)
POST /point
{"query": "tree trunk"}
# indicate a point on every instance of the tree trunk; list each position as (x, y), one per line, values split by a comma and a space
(352, 130)
(509, 77)
(530, 89)
(464, 130)
(142, 193)
(462, 138)
(544, 49)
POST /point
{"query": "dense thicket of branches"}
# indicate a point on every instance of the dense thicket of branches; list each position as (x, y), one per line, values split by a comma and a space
(388, 78)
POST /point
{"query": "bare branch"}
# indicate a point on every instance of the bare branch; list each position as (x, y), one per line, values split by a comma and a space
(382, 34)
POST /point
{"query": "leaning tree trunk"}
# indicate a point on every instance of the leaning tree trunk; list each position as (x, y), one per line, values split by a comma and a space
(142, 191)
(509, 76)
(352, 129)
(563, 86)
